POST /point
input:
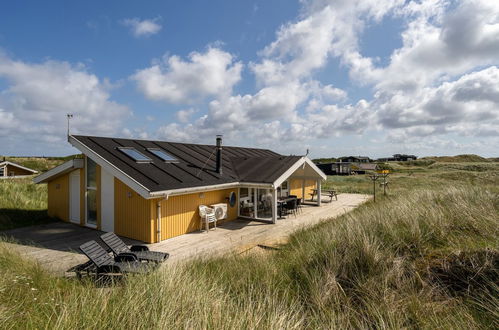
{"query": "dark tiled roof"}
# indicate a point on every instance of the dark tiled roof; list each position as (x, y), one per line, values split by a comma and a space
(195, 166)
(262, 169)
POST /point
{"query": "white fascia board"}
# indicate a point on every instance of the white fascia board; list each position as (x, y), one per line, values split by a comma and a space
(301, 162)
(59, 170)
(18, 166)
(288, 172)
(123, 177)
(318, 170)
(256, 185)
(191, 190)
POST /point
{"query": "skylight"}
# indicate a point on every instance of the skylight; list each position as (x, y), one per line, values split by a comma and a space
(135, 155)
(162, 154)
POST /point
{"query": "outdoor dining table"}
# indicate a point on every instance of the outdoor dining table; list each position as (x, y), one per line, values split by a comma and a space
(330, 193)
(281, 202)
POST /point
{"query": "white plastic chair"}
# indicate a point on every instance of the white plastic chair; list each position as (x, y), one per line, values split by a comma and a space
(207, 215)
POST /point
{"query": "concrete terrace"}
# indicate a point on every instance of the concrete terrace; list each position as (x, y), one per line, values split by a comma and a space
(55, 246)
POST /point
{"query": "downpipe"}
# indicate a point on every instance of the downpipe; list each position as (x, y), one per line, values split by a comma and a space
(158, 213)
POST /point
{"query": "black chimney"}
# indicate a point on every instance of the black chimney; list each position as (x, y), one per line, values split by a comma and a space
(219, 154)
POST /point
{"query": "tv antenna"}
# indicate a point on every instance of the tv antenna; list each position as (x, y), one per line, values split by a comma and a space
(69, 115)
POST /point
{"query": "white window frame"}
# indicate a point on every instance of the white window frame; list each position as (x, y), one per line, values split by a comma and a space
(284, 190)
(3, 170)
(252, 191)
(87, 188)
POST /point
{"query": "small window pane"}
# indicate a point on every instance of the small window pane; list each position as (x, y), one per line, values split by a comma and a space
(91, 207)
(1, 171)
(91, 173)
(135, 155)
(162, 154)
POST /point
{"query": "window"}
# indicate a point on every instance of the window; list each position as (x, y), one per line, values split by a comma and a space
(283, 190)
(2, 169)
(135, 155)
(162, 154)
(91, 192)
(246, 200)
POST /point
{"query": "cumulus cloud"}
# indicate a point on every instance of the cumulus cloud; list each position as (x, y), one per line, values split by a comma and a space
(185, 115)
(174, 80)
(39, 95)
(142, 28)
(441, 81)
(462, 106)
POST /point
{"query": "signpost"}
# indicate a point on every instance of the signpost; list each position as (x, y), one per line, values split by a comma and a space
(384, 174)
(374, 177)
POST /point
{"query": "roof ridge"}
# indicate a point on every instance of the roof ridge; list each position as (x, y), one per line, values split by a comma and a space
(172, 142)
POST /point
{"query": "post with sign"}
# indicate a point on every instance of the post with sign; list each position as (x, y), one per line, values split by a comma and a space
(384, 174)
(374, 177)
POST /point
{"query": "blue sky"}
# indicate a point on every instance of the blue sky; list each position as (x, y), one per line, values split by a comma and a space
(336, 77)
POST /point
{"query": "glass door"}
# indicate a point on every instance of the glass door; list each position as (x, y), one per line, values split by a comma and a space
(247, 202)
(256, 203)
(91, 193)
(265, 201)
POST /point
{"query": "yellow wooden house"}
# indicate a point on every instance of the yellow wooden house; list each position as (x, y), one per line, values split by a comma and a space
(151, 190)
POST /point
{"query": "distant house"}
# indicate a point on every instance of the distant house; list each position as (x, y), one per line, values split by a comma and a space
(151, 190)
(346, 168)
(398, 158)
(354, 159)
(13, 170)
(336, 168)
(362, 168)
(404, 158)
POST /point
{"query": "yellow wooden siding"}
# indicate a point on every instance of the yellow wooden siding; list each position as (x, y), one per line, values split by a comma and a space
(296, 187)
(309, 186)
(58, 198)
(132, 214)
(179, 214)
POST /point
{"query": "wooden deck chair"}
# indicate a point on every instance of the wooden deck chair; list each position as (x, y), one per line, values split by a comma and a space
(118, 247)
(106, 264)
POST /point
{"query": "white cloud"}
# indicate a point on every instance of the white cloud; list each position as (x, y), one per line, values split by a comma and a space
(213, 73)
(185, 115)
(7, 123)
(462, 106)
(142, 28)
(38, 96)
(440, 42)
(441, 81)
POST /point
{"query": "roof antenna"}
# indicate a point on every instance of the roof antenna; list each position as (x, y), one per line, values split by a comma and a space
(306, 153)
(69, 115)
(206, 162)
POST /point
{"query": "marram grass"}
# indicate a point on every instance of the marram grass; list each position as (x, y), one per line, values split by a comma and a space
(22, 203)
(384, 265)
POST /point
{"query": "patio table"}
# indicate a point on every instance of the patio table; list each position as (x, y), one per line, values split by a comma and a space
(331, 193)
(281, 202)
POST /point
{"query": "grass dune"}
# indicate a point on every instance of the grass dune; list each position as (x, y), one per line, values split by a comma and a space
(386, 265)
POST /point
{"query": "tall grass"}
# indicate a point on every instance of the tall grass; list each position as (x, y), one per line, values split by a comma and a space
(22, 203)
(384, 265)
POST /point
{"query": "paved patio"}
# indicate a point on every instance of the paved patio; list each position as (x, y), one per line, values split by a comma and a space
(55, 245)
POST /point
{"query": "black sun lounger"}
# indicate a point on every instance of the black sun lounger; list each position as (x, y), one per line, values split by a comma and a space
(142, 252)
(104, 263)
